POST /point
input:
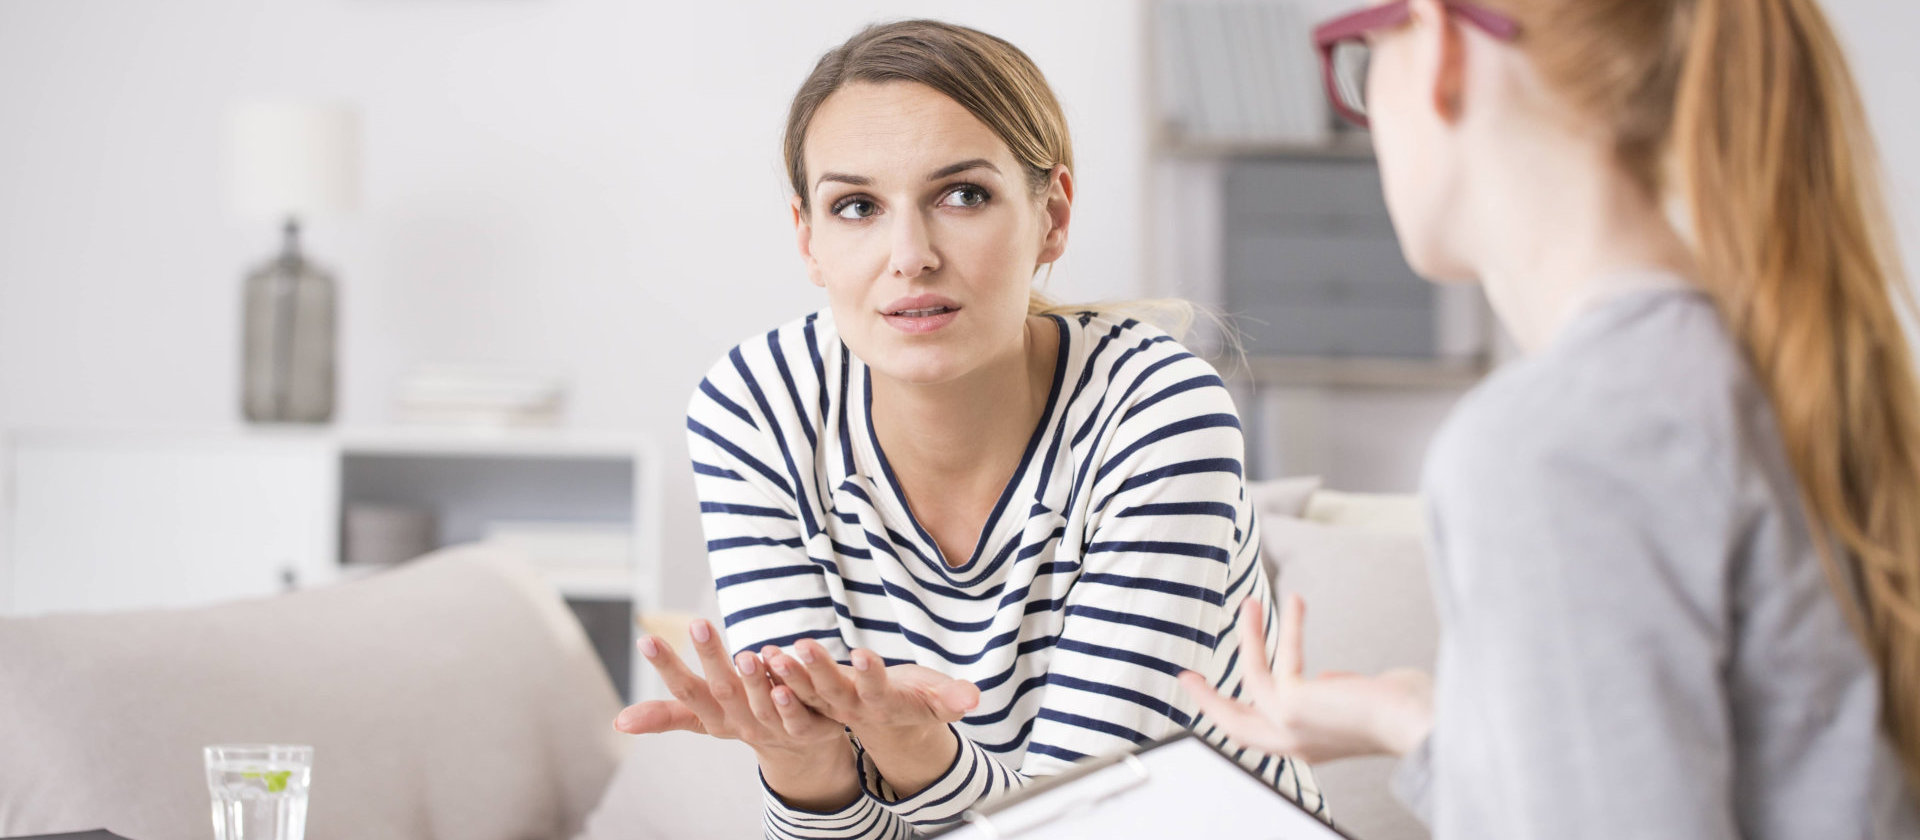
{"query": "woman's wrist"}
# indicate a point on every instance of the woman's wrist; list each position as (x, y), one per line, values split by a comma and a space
(1402, 724)
(910, 758)
(916, 739)
(816, 777)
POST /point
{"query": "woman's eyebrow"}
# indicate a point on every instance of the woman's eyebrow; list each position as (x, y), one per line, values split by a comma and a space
(942, 172)
(841, 177)
(962, 166)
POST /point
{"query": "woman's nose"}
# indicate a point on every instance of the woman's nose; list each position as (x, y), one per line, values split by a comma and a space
(912, 247)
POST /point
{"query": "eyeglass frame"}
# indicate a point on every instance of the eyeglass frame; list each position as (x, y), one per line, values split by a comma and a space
(1356, 25)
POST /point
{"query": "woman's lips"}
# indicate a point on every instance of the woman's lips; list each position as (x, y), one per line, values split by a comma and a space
(921, 321)
(920, 314)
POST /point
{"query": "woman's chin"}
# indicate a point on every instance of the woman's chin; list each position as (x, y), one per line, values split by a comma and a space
(917, 365)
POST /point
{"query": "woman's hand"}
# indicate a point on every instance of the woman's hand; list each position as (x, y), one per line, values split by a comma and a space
(1332, 716)
(900, 714)
(737, 699)
(869, 696)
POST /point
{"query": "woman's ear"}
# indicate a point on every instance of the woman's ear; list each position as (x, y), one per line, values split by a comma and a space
(803, 238)
(1057, 206)
(1444, 54)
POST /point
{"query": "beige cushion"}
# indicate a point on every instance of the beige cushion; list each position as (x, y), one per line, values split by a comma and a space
(1284, 496)
(454, 697)
(680, 786)
(1360, 562)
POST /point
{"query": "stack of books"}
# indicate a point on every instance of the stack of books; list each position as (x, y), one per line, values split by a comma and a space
(584, 560)
(566, 545)
(1239, 71)
(465, 395)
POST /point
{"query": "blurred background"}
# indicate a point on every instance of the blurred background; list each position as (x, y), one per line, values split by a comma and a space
(562, 212)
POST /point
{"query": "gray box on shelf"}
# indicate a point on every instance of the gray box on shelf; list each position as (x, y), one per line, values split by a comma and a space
(377, 535)
(1311, 268)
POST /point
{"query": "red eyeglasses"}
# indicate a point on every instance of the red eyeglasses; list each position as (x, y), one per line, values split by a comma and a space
(1345, 53)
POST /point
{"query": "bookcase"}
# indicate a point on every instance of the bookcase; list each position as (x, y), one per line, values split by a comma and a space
(107, 520)
(1266, 211)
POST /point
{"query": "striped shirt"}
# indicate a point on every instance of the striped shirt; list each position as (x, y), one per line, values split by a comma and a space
(1113, 560)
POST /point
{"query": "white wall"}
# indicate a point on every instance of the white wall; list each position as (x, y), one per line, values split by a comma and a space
(590, 184)
(1878, 35)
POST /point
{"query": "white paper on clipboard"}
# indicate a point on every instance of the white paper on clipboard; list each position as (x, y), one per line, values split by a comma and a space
(1176, 788)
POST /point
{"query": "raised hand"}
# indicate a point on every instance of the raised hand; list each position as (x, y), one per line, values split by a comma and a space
(869, 695)
(737, 699)
(1335, 715)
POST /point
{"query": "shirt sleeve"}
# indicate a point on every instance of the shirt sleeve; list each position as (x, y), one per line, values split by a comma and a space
(1580, 688)
(769, 591)
(1412, 779)
(1166, 560)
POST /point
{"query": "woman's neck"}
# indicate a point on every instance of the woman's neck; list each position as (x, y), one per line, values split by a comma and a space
(967, 428)
(1565, 228)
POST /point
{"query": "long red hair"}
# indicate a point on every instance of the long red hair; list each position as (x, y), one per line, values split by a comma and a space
(1747, 111)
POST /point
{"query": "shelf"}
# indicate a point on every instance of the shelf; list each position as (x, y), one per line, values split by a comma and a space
(397, 441)
(589, 583)
(572, 582)
(181, 517)
(1340, 146)
(1298, 371)
(444, 442)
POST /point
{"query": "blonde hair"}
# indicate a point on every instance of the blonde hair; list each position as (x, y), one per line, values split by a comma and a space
(998, 84)
(1746, 109)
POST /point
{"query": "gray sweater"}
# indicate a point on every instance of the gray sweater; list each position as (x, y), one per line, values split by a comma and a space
(1637, 637)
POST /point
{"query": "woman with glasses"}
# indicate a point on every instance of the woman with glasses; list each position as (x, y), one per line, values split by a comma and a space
(1676, 547)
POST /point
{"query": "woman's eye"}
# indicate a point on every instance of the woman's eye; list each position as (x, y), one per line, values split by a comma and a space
(854, 209)
(967, 196)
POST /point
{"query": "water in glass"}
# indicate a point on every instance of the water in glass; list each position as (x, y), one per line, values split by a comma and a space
(259, 793)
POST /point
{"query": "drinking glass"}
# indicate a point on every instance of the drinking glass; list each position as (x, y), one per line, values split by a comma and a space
(259, 790)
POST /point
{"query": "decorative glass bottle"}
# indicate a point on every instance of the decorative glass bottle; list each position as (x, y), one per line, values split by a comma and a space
(287, 354)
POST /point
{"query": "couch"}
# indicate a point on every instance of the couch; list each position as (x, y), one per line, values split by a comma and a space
(455, 697)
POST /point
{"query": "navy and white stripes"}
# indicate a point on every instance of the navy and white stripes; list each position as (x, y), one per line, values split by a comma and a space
(1113, 560)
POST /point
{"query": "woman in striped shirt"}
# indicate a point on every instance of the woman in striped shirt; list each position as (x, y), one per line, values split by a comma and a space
(961, 537)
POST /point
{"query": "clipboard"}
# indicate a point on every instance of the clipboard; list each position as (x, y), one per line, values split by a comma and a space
(1175, 787)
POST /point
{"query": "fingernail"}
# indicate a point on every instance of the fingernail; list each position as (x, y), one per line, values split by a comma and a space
(859, 663)
(802, 654)
(746, 664)
(702, 632)
(783, 698)
(648, 647)
(780, 668)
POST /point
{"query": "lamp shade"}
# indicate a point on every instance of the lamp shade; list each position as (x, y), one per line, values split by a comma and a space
(293, 159)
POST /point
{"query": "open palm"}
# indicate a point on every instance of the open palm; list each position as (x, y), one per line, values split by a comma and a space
(1334, 715)
(868, 693)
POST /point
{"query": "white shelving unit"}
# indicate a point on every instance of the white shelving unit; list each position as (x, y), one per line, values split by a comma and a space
(1346, 145)
(117, 520)
(1274, 227)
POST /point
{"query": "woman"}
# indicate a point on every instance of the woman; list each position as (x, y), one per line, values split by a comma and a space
(961, 537)
(1651, 535)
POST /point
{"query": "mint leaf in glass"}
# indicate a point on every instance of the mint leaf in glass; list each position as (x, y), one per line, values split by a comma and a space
(276, 780)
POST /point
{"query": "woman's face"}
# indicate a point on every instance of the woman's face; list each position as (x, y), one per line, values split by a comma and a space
(922, 227)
